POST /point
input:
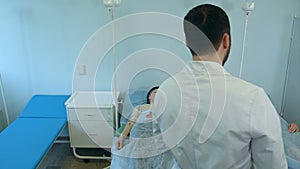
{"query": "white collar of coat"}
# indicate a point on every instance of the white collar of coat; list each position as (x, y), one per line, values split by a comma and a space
(200, 67)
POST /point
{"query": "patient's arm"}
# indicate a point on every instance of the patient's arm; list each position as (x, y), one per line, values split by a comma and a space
(124, 134)
(293, 128)
(128, 127)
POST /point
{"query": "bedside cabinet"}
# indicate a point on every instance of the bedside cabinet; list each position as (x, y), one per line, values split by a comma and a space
(90, 121)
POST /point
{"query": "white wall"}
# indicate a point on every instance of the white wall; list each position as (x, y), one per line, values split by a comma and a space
(41, 40)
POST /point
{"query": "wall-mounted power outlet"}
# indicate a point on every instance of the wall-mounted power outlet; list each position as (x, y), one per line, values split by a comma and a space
(81, 69)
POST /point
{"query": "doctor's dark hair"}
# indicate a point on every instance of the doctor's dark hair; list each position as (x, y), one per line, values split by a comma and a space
(153, 88)
(202, 22)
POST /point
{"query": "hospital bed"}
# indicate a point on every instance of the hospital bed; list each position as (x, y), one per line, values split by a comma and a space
(26, 140)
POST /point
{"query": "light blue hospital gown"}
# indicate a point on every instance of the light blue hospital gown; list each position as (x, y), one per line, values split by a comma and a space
(141, 150)
(291, 141)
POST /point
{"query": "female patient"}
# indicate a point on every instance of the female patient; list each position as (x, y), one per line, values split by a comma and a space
(144, 108)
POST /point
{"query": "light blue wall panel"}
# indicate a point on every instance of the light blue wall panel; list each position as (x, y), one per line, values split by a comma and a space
(41, 41)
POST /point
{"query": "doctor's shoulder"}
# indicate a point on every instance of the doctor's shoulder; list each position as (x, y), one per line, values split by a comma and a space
(241, 85)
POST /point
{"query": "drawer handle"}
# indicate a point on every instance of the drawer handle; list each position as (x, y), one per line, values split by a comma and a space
(92, 134)
(90, 115)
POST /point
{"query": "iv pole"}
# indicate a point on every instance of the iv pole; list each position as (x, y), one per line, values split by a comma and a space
(286, 73)
(111, 4)
(247, 7)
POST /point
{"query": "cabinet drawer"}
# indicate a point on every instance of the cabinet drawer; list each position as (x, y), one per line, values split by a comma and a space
(104, 114)
(93, 134)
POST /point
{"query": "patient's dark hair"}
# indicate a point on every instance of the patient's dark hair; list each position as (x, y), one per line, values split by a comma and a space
(153, 88)
(205, 21)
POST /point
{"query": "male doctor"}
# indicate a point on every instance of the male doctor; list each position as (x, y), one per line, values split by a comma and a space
(210, 119)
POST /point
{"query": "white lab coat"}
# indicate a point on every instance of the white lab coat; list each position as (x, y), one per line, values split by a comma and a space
(212, 120)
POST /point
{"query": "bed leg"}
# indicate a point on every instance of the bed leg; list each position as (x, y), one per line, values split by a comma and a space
(89, 157)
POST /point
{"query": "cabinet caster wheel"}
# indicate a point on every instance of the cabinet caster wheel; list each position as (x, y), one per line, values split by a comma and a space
(86, 160)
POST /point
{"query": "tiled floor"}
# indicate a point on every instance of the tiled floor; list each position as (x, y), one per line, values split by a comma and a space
(61, 156)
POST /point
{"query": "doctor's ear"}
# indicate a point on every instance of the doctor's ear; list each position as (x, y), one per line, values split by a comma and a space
(226, 41)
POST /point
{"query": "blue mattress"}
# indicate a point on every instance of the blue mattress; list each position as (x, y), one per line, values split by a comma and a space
(25, 141)
(46, 106)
